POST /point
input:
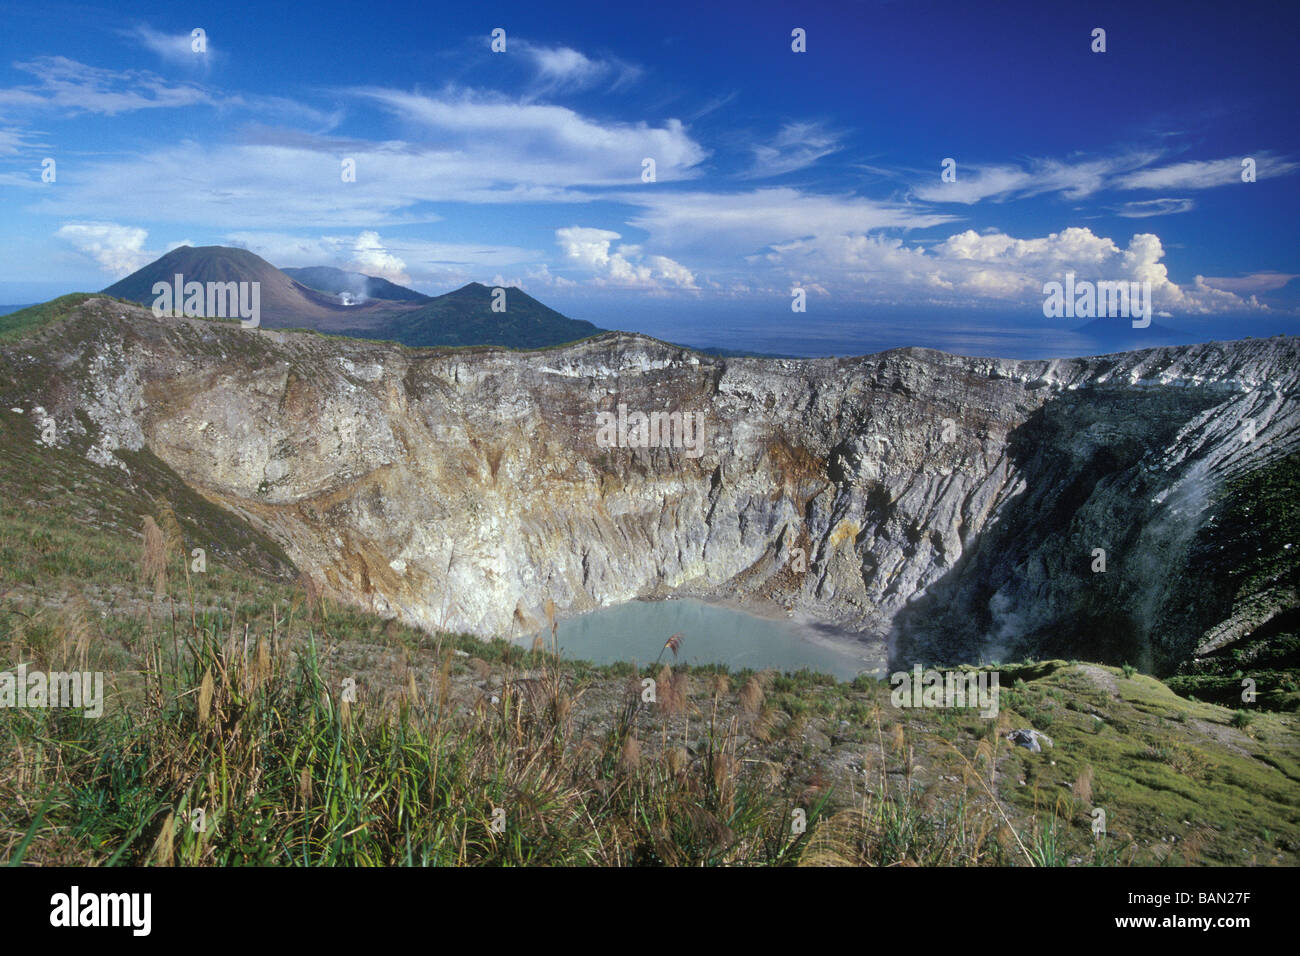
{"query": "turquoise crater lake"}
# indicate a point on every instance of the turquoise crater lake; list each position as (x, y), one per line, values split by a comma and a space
(636, 632)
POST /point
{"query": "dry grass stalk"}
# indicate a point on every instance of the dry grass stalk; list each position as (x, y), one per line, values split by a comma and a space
(670, 691)
(304, 787)
(153, 556)
(629, 760)
(205, 698)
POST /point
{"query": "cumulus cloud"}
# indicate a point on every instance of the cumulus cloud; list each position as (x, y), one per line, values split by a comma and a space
(995, 267)
(542, 275)
(371, 257)
(590, 249)
(116, 248)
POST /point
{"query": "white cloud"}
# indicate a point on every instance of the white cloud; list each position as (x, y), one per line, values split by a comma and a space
(796, 146)
(425, 263)
(1205, 174)
(13, 141)
(1000, 183)
(1251, 284)
(994, 267)
(542, 275)
(117, 249)
(727, 226)
(537, 144)
(175, 48)
(1146, 208)
(563, 68)
(1079, 180)
(589, 249)
(67, 85)
(370, 256)
(473, 149)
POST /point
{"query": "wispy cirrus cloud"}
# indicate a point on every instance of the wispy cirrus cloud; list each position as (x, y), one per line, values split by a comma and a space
(795, 147)
(177, 49)
(521, 142)
(463, 146)
(73, 87)
(1206, 174)
(735, 224)
(1251, 284)
(67, 87)
(1082, 179)
(564, 69)
(1000, 183)
(14, 140)
(1145, 208)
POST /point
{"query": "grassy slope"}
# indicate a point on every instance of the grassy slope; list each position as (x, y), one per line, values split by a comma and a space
(260, 739)
(16, 324)
(286, 774)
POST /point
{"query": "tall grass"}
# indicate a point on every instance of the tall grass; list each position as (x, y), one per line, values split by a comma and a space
(239, 750)
(234, 741)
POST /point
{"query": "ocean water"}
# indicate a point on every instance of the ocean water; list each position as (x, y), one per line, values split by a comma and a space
(1021, 333)
(636, 632)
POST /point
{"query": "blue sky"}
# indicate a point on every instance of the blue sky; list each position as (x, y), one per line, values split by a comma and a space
(774, 169)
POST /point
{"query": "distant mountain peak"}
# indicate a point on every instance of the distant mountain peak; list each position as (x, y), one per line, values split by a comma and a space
(336, 301)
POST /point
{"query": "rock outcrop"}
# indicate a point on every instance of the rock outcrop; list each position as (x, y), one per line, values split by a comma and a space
(956, 507)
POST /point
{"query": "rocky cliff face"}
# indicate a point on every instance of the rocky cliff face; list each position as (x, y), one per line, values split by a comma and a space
(952, 506)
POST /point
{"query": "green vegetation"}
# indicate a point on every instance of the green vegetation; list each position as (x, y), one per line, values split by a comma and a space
(16, 324)
(1258, 561)
(466, 318)
(226, 695)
